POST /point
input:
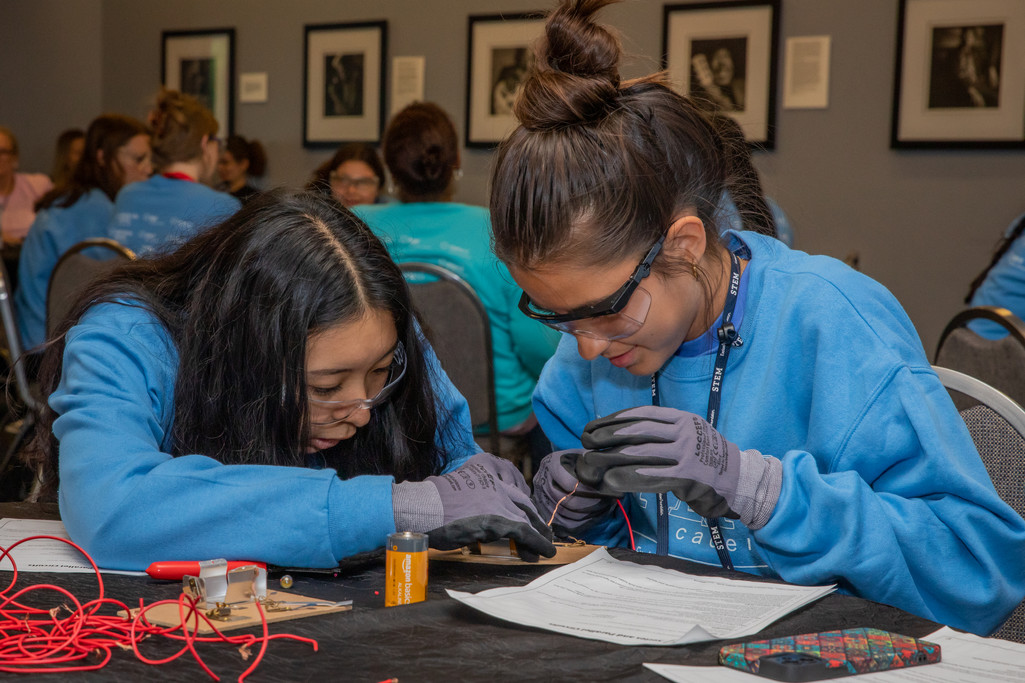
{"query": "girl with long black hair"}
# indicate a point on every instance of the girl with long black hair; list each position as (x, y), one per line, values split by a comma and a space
(264, 393)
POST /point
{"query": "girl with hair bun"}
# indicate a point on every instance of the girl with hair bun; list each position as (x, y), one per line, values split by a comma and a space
(177, 202)
(241, 160)
(264, 392)
(751, 406)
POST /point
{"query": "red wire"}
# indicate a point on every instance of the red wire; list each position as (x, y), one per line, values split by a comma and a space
(629, 528)
(36, 640)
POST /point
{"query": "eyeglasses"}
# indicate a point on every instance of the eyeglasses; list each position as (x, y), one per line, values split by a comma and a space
(329, 412)
(614, 317)
(344, 181)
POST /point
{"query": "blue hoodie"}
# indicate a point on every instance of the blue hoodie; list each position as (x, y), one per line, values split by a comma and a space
(128, 502)
(55, 230)
(162, 212)
(1004, 286)
(883, 490)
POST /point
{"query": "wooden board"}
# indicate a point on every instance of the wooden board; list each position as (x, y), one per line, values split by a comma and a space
(242, 615)
(501, 554)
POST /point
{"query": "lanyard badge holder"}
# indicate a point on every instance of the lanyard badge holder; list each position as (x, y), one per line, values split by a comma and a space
(728, 338)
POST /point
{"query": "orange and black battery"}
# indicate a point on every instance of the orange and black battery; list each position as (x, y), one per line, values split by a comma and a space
(406, 569)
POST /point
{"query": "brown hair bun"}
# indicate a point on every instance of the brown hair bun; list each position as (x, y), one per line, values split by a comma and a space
(575, 77)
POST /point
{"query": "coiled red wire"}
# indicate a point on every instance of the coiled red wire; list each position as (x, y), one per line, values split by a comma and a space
(36, 640)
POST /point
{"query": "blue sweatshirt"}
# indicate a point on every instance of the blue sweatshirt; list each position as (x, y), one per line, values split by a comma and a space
(162, 212)
(456, 236)
(883, 490)
(1004, 286)
(129, 503)
(54, 231)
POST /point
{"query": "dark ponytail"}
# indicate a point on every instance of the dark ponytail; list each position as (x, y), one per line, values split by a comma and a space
(1005, 244)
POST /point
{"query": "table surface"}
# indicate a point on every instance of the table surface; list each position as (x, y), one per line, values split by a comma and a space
(439, 639)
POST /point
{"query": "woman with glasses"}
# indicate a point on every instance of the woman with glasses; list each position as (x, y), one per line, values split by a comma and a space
(117, 153)
(177, 202)
(749, 405)
(353, 176)
(264, 393)
(421, 150)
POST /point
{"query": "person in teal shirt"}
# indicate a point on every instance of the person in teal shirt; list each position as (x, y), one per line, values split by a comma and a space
(117, 153)
(421, 152)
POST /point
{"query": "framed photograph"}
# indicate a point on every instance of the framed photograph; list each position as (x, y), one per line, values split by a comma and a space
(343, 83)
(960, 75)
(500, 50)
(726, 52)
(202, 64)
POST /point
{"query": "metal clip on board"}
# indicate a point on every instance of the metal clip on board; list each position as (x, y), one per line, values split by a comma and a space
(216, 585)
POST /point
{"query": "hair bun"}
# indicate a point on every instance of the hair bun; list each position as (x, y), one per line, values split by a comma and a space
(575, 76)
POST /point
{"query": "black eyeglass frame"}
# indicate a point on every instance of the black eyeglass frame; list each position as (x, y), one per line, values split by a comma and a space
(610, 305)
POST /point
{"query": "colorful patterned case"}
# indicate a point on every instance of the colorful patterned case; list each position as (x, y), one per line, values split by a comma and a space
(830, 654)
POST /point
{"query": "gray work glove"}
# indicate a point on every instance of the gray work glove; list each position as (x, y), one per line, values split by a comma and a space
(486, 499)
(580, 508)
(656, 449)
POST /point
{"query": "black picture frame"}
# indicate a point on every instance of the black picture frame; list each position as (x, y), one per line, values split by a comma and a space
(498, 54)
(728, 53)
(202, 63)
(959, 78)
(344, 73)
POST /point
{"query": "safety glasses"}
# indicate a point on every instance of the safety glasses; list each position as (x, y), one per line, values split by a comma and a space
(326, 412)
(614, 317)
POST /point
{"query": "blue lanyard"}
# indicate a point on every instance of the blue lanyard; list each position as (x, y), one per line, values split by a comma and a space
(728, 338)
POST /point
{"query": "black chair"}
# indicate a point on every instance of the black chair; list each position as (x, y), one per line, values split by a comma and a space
(76, 267)
(23, 404)
(457, 325)
(999, 363)
(997, 426)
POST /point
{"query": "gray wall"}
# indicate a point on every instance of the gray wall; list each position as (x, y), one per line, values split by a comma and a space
(50, 72)
(923, 222)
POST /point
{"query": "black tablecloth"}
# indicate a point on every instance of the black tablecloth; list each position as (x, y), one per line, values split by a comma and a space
(439, 639)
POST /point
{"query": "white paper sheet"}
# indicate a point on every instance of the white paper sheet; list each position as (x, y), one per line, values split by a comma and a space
(965, 658)
(44, 555)
(602, 598)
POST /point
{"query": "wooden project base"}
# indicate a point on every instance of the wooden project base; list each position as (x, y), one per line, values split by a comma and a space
(242, 615)
(500, 553)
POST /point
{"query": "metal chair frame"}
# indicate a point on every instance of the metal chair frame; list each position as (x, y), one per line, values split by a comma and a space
(1014, 415)
(1003, 317)
(467, 291)
(75, 252)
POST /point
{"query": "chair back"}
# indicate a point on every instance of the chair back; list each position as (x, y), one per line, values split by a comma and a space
(12, 341)
(77, 267)
(457, 325)
(997, 362)
(997, 426)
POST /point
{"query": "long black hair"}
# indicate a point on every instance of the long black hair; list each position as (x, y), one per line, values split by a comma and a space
(240, 301)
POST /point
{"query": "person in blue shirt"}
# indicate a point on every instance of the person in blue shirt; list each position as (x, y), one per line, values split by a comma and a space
(749, 405)
(173, 205)
(1002, 283)
(264, 393)
(117, 153)
(421, 150)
